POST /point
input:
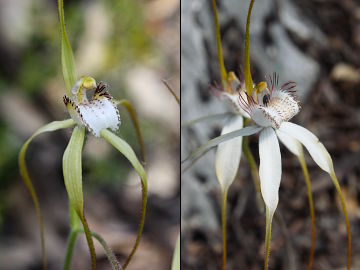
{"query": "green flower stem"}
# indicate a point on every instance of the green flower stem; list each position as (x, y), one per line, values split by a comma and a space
(247, 73)
(172, 91)
(55, 125)
(223, 225)
(219, 50)
(124, 148)
(311, 207)
(343, 205)
(130, 108)
(89, 241)
(70, 248)
(269, 217)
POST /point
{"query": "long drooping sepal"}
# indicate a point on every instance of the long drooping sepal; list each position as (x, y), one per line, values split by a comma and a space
(296, 148)
(223, 72)
(228, 155)
(67, 57)
(247, 131)
(26, 177)
(175, 265)
(124, 148)
(72, 170)
(247, 73)
(270, 168)
(269, 218)
(311, 208)
(323, 159)
(130, 108)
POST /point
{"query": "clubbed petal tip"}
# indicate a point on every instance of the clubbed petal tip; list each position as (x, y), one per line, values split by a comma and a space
(97, 114)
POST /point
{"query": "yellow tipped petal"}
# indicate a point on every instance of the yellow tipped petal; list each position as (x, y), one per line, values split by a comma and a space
(247, 74)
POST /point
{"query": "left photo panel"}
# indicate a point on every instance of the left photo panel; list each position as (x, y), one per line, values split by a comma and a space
(90, 134)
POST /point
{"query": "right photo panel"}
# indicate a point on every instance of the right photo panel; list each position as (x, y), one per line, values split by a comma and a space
(270, 128)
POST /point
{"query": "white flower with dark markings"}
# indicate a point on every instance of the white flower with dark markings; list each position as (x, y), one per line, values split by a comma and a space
(98, 113)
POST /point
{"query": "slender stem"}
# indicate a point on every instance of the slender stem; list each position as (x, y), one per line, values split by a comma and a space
(70, 248)
(219, 49)
(343, 205)
(172, 91)
(223, 225)
(109, 253)
(89, 241)
(269, 217)
(141, 225)
(311, 207)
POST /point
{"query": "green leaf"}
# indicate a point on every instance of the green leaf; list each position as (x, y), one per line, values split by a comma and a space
(73, 182)
(72, 169)
(231, 135)
(128, 152)
(176, 257)
(206, 118)
(67, 57)
(130, 108)
(26, 178)
(247, 73)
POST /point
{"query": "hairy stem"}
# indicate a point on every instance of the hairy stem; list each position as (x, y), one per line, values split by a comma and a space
(89, 241)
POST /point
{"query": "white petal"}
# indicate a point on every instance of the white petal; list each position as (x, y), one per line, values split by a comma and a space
(270, 167)
(316, 149)
(291, 143)
(228, 154)
(233, 100)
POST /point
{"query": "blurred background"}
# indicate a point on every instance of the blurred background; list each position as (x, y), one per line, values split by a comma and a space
(132, 45)
(315, 43)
